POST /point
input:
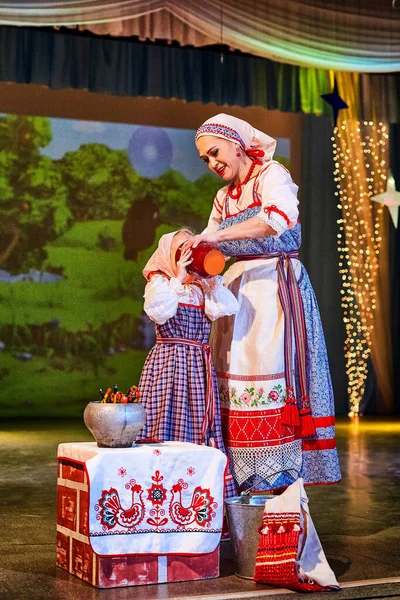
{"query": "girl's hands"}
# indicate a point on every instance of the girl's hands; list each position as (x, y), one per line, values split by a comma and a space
(184, 261)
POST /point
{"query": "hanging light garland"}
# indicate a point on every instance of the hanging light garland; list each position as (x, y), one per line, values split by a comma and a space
(360, 150)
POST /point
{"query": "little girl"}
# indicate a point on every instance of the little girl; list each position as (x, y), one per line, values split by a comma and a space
(178, 384)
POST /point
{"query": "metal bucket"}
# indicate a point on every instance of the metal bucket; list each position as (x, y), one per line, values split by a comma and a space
(245, 514)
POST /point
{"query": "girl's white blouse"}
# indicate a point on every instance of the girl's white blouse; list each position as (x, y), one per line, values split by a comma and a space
(162, 297)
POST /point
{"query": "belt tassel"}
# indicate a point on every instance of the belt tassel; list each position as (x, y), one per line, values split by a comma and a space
(292, 306)
(290, 415)
(307, 422)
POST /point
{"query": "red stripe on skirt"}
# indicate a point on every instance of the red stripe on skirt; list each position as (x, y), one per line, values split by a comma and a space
(324, 421)
(328, 444)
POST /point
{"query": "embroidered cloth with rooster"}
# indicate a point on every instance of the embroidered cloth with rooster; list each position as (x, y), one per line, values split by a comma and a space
(162, 498)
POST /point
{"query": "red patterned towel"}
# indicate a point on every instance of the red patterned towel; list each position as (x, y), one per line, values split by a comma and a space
(290, 554)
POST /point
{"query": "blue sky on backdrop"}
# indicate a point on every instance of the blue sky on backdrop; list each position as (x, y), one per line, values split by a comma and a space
(151, 149)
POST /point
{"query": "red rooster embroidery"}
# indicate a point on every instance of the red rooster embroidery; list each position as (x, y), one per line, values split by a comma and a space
(112, 513)
(201, 509)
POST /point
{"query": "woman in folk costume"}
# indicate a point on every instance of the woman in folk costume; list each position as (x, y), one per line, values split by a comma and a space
(272, 367)
(178, 385)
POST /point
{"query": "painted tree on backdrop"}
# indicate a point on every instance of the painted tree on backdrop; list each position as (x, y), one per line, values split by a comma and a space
(102, 184)
(170, 199)
(41, 198)
(33, 199)
(100, 181)
(74, 213)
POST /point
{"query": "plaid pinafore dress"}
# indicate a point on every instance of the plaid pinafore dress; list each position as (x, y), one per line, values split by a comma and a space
(177, 381)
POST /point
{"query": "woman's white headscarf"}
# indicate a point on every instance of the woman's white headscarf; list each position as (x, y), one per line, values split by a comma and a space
(254, 142)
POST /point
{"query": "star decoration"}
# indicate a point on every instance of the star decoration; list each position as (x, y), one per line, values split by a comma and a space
(391, 199)
(335, 101)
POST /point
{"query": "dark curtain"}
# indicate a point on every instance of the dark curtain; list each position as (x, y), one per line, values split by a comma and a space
(319, 214)
(370, 402)
(74, 59)
(126, 67)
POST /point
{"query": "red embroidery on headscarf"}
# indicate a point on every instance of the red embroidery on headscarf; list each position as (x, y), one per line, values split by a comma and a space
(217, 129)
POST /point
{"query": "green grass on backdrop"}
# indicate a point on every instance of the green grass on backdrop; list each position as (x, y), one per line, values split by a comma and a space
(97, 288)
(61, 341)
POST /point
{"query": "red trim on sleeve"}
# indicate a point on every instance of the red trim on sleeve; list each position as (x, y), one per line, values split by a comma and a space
(217, 209)
(219, 204)
(270, 209)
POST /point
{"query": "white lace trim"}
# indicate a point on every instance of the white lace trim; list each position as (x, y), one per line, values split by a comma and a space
(274, 220)
(267, 462)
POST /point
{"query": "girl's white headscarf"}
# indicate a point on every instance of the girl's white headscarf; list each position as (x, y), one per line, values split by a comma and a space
(161, 259)
(254, 142)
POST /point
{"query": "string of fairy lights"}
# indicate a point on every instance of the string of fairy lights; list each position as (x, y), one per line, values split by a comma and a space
(359, 149)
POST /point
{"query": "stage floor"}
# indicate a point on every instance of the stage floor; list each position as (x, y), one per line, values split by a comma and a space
(357, 520)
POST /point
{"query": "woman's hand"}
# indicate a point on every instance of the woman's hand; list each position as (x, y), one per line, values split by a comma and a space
(209, 238)
(184, 261)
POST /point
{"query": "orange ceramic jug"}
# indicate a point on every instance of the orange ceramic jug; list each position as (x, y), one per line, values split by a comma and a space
(207, 260)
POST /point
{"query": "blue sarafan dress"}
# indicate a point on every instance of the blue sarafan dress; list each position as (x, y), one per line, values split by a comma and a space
(271, 356)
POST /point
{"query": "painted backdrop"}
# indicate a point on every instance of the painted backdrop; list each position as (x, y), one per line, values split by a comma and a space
(82, 205)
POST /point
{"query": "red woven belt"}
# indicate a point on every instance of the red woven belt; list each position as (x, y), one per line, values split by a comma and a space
(292, 306)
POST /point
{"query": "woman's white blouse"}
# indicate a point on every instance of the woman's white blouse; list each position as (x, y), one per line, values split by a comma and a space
(275, 190)
(162, 297)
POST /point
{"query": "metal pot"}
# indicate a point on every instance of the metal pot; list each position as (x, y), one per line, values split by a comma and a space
(114, 425)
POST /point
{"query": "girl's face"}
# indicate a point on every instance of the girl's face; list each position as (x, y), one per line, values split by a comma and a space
(180, 238)
(220, 156)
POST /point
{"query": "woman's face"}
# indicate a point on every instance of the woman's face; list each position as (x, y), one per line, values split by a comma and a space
(220, 155)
